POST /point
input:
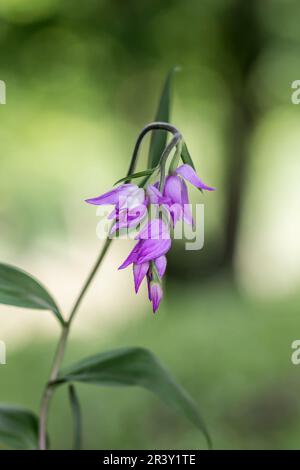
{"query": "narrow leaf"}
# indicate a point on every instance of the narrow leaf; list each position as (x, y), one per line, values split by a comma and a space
(22, 290)
(136, 175)
(186, 157)
(134, 367)
(18, 427)
(159, 138)
(76, 412)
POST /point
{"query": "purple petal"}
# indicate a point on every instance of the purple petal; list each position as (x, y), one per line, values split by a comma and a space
(176, 212)
(132, 257)
(187, 215)
(156, 229)
(139, 272)
(129, 218)
(156, 295)
(188, 173)
(152, 249)
(172, 189)
(155, 196)
(132, 199)
(161, 264)
(113, 196)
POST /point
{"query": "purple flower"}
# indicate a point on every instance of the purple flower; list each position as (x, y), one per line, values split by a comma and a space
(148, 249)
(130, 205)
(148, 258)
(175, 194)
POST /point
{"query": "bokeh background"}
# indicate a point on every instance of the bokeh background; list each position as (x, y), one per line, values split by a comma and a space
(82, 79)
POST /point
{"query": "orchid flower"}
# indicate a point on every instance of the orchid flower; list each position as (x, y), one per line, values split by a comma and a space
(132, 205)
(175, 194)
(148, 258)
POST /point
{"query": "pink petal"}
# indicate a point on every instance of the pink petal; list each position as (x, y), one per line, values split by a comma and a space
(187, 215)
(156, 229)
(152, 249)
(161, 264)
(156, 295)
(113, 196)
(129, 218)
(132, 257)
(172, 189)
(188, 173)
(155, 196)
(176, 212)
(139, 272)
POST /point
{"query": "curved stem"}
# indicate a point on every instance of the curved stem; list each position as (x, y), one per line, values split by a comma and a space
(150, 127)
(164, 158)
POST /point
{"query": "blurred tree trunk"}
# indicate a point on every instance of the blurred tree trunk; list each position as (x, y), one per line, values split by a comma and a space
(245, 42)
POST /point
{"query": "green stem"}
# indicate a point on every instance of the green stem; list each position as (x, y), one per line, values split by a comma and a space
(164, 157)
(150, 127)
(60, 351)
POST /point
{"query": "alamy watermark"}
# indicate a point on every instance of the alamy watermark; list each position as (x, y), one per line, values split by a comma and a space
(2, 353)
(130, 223)
(295, 357)
(295, 96)
(2, 92)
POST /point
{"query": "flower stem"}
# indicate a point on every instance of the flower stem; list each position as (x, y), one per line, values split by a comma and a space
(150, 127)
(164, 157)
(60, 351)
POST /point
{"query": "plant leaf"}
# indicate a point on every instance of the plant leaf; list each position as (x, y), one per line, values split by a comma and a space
(134, 367)
(18, 427)
(76, 412)
(186, 157)
(20, 289)
(136, 175)
(159, 138)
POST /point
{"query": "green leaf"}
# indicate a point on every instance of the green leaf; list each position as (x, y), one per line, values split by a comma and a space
(134, 367)
(159, 138)
(136, 175)
(20, 289)
(18, 427)
(186, 157)
(76, 412)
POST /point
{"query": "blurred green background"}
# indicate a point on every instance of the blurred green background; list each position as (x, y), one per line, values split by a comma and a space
(82, 80)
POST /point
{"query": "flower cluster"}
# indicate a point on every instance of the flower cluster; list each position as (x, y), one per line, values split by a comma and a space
(131, 206)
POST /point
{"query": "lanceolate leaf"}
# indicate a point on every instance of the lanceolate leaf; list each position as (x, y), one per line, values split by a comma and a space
(134, 367)
(135, 175)
(20, 289)
(186, 157)
(159, 138)
(18, 427)
(76, 412)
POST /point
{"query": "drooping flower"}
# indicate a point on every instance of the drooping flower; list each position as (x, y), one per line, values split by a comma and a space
(130, 205)
(148, 258)
(154, 241)
(175, 193)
